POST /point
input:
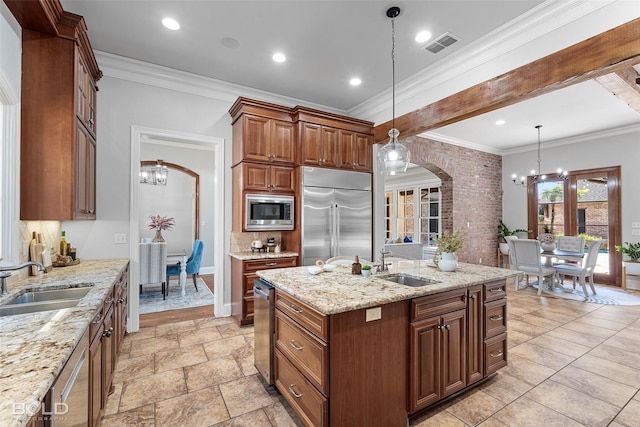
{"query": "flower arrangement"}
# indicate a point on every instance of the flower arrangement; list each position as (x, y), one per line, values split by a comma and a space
(450, 242)
(161, 223)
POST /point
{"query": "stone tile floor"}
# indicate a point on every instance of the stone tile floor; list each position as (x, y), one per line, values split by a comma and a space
(570, 364)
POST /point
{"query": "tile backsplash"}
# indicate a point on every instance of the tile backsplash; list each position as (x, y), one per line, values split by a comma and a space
(241, 242)
(50, 231)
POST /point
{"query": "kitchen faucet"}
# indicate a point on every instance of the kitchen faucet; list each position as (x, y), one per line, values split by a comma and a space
(4, 272)
(382, 266)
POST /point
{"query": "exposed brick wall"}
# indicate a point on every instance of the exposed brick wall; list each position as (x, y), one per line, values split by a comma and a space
(471, 192)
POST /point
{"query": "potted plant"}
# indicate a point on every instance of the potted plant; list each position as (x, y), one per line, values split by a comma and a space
(503, 231)
(632, 250)
(366, 270)
(447, 246)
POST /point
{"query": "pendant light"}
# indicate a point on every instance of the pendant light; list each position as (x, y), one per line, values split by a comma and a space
(393, 157)
(536, 178)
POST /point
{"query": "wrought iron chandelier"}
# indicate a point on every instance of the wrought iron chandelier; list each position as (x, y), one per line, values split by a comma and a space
(393, 157)
(537, 177)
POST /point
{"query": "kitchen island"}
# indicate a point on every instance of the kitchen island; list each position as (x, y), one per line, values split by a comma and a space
(351, 350)
(34, 347)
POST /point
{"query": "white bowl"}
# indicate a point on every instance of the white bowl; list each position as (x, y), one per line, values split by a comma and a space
(329, 267)
(314, 270)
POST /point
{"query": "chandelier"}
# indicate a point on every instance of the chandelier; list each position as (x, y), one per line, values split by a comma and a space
(537, 177)
(393, 157)
(154, 174)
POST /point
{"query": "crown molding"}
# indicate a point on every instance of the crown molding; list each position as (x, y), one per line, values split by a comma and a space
(120, 67)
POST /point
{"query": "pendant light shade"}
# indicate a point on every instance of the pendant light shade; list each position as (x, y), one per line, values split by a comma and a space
(393, 157)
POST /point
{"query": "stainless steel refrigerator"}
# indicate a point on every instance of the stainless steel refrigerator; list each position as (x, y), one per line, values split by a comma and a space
(336, 214)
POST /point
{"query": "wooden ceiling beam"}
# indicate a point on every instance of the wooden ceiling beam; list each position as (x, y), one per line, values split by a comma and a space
(611, 51)
(622, 84)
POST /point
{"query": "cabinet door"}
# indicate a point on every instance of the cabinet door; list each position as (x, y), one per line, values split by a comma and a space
(85, 174)
(108, 354)
(282, 142)
(454, 358)
(311, 144)
(424, 363)
(82, 92)
(364, 153)
(347, 150)
(255, 141)
(475, 335)
(282, 179)
(92, 105)
(256, 176)
(95, 380)
(330, 138)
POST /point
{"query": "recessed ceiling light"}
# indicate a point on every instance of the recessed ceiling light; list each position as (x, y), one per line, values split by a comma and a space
(171, 24)
(423, 36)
(355, 81)
(279, 57)
(230, 42)
(500, 122)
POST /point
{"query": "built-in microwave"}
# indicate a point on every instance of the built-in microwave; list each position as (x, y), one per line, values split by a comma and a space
(268, 212)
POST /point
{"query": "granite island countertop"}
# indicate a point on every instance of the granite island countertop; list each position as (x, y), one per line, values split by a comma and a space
(337, 291)
(34, 347)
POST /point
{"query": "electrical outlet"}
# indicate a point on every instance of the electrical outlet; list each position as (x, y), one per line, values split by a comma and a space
(373, 314)
(120, 239)
(635, 231)
(635, 225)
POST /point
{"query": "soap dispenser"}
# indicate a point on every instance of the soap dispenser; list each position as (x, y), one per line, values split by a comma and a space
(356, 267)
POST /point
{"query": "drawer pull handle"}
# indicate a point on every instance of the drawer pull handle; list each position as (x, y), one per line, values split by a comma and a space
(294, 309)
(293, 344)
(292, 391)
(121, 300)
(271, 264)
(494, 318)
(98, 319)
(498, 354)
(472, 296)
(444, 328)
(499, 291)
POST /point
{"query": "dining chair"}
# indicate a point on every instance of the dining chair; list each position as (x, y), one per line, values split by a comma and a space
(153, 263)
(528, 261)
(583, 271)
(193, 264)
(571, 244)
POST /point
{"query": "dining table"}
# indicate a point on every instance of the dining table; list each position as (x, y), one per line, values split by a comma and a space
(175, 257)
(558, 253)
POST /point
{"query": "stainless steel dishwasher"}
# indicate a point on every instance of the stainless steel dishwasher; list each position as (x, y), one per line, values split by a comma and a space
(67, 402)
(264, 328)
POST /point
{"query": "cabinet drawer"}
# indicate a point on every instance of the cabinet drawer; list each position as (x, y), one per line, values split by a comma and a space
(308, 402)
(307, 317)
(265, 264)
(308, 353)
(495, 318)
(436, 305)
(495, 290)
(248, 282)
(248, 307)
(495, 353)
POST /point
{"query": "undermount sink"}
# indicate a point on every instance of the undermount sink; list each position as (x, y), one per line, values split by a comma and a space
(34, 307)
(38, 300)
(50, 295)
(408, 280)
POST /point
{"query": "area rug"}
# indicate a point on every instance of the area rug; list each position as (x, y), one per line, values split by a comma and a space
(151, 296)
(604, 294)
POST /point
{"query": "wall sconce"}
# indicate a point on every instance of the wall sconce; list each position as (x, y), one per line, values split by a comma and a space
(154, 174)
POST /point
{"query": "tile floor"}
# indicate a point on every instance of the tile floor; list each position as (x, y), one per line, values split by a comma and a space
(570, 364)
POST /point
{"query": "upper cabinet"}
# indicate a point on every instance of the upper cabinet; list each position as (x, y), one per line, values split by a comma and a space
(333, 141)
(262, 132)
(58, 116)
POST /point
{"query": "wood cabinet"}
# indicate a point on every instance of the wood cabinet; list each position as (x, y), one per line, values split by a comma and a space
(355, 151)
(37, 419)
(96, 329)
(58, 123)
(261, 178)
(457, 338)
(319, 145)
(243, 273)
(328, 366)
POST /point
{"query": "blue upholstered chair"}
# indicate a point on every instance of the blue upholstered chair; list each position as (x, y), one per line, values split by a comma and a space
(193, 264)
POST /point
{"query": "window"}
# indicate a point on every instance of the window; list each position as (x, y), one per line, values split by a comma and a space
(416, 218)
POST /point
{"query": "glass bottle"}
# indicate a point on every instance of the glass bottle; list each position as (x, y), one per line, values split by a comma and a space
(63, 245)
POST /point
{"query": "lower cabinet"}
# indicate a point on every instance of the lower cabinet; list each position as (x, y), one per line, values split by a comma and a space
(456, 339)
(243, 273)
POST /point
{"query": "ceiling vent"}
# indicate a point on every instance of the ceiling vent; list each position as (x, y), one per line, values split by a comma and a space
(442, 42)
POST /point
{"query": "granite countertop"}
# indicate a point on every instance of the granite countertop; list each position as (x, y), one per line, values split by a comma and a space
(337, 291)
(248, 255)
(34, 347)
